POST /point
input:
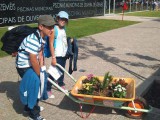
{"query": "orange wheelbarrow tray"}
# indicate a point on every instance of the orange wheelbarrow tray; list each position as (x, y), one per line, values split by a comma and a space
(135, 107)
(130, 91)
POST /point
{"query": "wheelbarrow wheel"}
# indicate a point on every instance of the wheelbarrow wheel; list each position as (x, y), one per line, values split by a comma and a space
(140, 103)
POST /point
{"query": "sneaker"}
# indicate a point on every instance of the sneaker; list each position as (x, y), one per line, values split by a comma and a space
(50, 95)
(41, 108)
(37, 118)
(63, 87)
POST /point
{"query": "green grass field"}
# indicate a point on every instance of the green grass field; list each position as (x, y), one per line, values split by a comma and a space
(83, 27)
(145, 14)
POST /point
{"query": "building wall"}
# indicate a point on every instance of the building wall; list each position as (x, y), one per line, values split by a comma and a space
(27, 11)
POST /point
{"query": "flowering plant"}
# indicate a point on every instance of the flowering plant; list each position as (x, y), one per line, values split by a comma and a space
(119, 88)
(108, 87)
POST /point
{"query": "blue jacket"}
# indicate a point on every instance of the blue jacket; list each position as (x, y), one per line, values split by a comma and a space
(29, 88)
(72, 54)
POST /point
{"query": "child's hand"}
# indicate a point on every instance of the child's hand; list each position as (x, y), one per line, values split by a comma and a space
(53, 62)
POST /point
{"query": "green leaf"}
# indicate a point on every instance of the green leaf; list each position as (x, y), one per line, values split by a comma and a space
(107, 79)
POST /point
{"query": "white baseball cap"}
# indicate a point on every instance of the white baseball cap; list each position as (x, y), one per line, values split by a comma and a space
(63, 14)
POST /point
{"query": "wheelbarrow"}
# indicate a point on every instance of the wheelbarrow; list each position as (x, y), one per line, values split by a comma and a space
(135, 107)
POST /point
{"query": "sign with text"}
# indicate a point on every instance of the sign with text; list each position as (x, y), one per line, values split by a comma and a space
(13, 12)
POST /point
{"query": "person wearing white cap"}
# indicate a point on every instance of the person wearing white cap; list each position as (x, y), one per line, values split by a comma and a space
(58, 46)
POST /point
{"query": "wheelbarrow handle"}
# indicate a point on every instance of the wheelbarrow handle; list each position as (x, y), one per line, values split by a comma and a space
(66, 72)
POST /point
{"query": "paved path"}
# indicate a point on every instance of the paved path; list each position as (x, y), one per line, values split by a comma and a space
(131, 51)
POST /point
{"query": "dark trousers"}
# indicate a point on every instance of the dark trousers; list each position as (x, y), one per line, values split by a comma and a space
(35, 112)
(21, 71)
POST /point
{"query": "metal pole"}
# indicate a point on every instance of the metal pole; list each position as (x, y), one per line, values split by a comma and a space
(104, 7)
(136, 5)
(130, 5)
(114, 7)
(109, 6)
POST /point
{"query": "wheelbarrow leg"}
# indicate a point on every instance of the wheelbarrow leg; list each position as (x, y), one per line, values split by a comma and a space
(87, 115)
